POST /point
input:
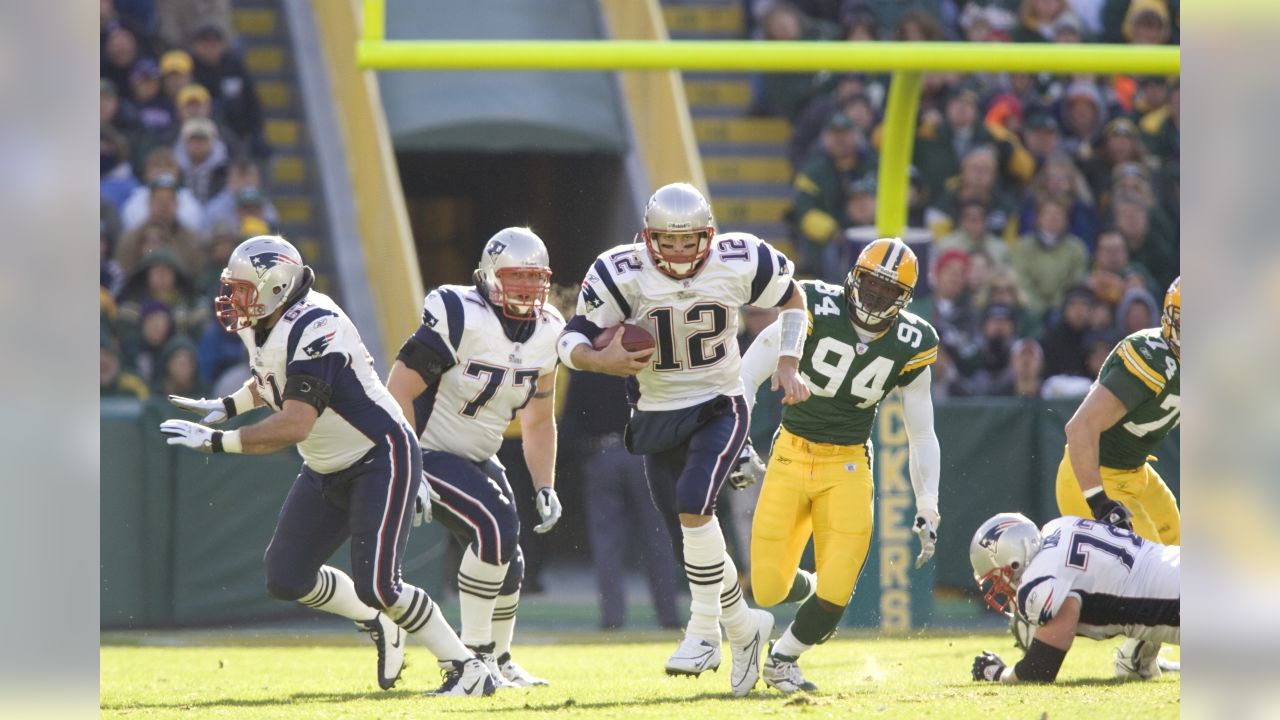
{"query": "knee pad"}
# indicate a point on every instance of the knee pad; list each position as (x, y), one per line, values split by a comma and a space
(515, 574)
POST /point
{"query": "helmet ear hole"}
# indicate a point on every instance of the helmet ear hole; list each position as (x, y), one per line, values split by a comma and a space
(1015, 565)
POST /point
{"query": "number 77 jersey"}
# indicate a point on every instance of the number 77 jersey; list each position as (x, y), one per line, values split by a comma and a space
(847, 377)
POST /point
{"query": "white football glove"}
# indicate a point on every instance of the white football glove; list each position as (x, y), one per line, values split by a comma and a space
(549, 509)
(926, 528)
(189, 434)
(214, 411)
(422, 503)
(748, 469)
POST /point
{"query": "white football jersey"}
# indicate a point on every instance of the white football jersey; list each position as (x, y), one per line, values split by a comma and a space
(315, 332)
(694, 320)
(1126, 585)
(491, 378)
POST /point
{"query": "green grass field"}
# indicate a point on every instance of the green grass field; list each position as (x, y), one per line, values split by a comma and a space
(204, 676)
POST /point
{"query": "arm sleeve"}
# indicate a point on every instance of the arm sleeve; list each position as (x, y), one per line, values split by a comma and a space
(1128, 374)
(925, 454)
(770, 279)
(426, 353)
(759, 362)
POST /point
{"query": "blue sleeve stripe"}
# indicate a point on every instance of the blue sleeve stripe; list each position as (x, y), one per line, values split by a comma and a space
(603, 271)
(454, 315)
(295, 332)
(791, 288)
(582, 325)
(431, 339)
(325, 367)
(1024, 592)
(764, 273)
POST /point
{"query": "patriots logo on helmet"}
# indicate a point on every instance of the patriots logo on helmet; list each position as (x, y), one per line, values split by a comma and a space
(496, 247)
(590, 297)
(317, 347)
(264, 261)
(989, 540)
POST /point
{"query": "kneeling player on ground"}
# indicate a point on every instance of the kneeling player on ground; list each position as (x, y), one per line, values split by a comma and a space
(484, 355)
(361, 463)
(819, 482)
(1075, 577)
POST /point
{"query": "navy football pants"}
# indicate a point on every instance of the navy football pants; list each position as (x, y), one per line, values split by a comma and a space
(477, 505)
(371, 502)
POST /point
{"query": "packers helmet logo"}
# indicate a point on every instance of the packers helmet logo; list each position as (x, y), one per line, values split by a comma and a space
(264, 261)
(495, 248)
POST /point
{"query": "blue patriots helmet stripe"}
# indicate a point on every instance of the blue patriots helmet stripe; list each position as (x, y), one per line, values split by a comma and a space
(317, 347)
(264, 261)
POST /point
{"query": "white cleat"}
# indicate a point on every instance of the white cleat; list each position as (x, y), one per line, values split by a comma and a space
(1138, 660)
(746, 657)
(783, 673)
(389, 639)
(464, 677)
(484, 654)
(1169, 666)
(694, 656)
(516, 675)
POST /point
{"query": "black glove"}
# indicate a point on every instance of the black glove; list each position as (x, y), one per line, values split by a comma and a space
(988, 666)
(1109, 511)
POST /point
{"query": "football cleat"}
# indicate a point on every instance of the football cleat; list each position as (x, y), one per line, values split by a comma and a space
(1168, 666)
(746, 657)
(694, 656)
(782, 672)
(516, 675)
(389, 639)
(464, 677)
(1138, 660)
(484, 653)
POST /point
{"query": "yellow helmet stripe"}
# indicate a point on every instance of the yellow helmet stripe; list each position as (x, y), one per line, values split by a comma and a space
(1152, 379)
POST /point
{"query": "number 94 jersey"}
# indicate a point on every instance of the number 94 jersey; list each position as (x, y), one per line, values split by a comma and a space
(847, 377)
(693, 320)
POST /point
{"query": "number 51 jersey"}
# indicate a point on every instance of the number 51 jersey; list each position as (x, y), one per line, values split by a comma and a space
(694, 320)
(491, 376)
(1126, 585)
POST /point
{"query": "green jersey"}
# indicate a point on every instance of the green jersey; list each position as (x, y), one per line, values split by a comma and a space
(1143, 372)
(847, 377)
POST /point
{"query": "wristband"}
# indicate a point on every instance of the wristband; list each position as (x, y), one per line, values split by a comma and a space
(226, 441)
(239, 402)
(1092, 491)
(568, 342)
(792, 335)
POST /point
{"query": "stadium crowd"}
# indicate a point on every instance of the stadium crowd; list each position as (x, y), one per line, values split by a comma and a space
(181, 162)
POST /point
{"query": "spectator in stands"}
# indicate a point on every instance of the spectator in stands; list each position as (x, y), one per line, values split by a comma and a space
(179, 373)
(1068, 28)
(1040, 136)
(1059, 179)
(1004, 288)
(784, 94)
(110, 274)
(622, 515)
(1063, 341)
(114, 381)
(178, 20)
(116, 180)
(1155, 249)
(1038, 20)
(202, 157)
(993, 374)
(1027, 361)
(147, 326)
(1051, 259)
(161, 228)
(1147, 22)
(1003, 122)
(223, 73)
(1120, 145)
(845, 95)
(223, 207)
(163, 278)
(918, 25)
(1151, 96)
(119, 115)
(119, 56)
(973, 236)
(978, 180)
(1084, 113)
(1163, 128)
(176, 67)
(1136, 311)
(1112, 274)
(161, 162)
(818, 191)
(983, 21)
(155, 111)
(953, 313)
(940, 146)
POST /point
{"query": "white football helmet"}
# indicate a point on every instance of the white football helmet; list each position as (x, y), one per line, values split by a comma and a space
(678, 210)
(515, 273)
(1000, 551)
(260, 275)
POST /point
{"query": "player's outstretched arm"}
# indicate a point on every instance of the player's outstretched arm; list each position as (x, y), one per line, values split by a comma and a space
(538, 438)
(925, 461)
(1100, 410)
(1044, 658)
(215, 410)
(793, 323)
(288, 427)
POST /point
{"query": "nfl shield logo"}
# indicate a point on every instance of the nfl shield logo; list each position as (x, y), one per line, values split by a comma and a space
(861, 348)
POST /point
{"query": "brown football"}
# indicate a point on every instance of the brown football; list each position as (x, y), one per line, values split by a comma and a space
(634, 338)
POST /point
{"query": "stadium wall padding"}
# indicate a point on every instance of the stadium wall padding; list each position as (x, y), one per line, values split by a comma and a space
(183, 534)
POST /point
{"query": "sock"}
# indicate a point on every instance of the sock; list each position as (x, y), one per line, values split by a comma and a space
(802, 586)
(735, 614)
(422, 619)
(814, 624)
(504, 623)
(704, 557)
(478, 586)
(336, 593)
(788, 645)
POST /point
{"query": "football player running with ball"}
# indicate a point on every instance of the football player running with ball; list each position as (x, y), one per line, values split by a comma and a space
(361, 462)
(685, 284)
(819, 479)
(1075, 577)
(1105, 473)
(483, 356)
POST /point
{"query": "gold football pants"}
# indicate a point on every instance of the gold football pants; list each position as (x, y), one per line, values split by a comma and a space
(812, 488)
(1155, 511)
